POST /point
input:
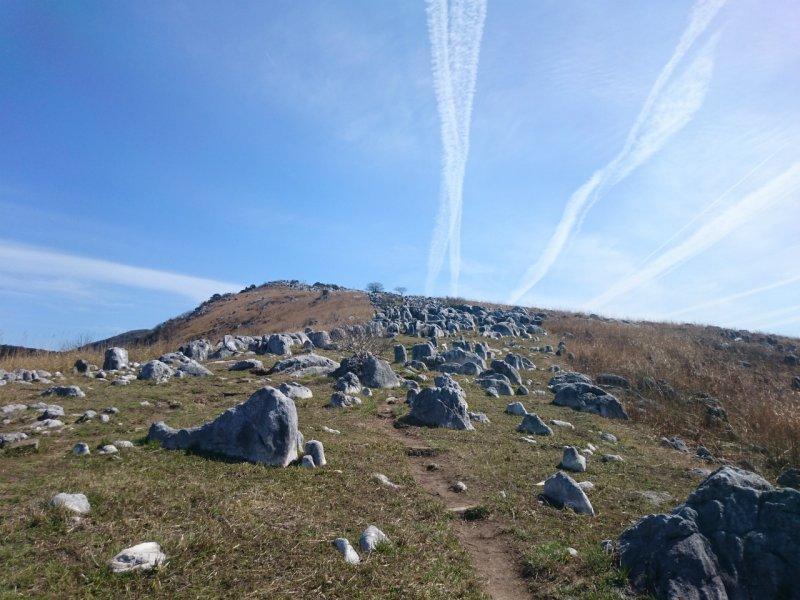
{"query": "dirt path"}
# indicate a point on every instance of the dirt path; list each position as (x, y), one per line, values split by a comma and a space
(483, 539)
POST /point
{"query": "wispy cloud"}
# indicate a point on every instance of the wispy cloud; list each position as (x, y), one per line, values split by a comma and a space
(67, 270)
(711, 205)
(670, 105)
(455, 28)
(733, 297)
(709, 234)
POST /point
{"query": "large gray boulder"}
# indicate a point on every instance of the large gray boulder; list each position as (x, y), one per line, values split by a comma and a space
(459, 356)
(304, 365)
(184, 366)
(589, 398)
(263, 429)
(532, 423)
(65, 391)
(441, 406)
(562, 491)
(280, 344)
(320, 339)
(735, 537)
(197, 349)
(246, 364)
(348, 383)
(115, 359)
(157, 371)
(422, 351)
(370, 370)
(502, 367)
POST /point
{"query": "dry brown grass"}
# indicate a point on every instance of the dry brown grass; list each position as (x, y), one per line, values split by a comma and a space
(761, 405)
(272, 309)
(64, 361)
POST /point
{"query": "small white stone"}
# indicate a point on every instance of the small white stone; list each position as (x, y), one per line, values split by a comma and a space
(329, 430)
(572, 552)
(370, 538)
(142, 557)
(123, 444)
(77, 503)
(108, 449)
(384, 480)
(459, 486)
(81, 449)
(350, 555)
(562, 424)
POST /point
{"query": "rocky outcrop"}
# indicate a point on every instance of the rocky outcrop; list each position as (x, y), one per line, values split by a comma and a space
(370, 370)
(263, 429)
(305, 365)
(115, 359)
(735, 537)
(441, 406)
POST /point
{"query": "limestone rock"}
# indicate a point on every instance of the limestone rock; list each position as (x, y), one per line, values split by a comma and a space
(142, 557)
(562, 491)
(263, 429)
(77, 503)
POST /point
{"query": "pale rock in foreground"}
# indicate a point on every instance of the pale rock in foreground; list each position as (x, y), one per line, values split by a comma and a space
(516, 408)
(572, 460)
(349, 553)
(315, 449)
(77, 503)
(532, 423)
(295, 391)
(384, 481)
(562, 491)
(81, 449)
(371, 538)
(142, 557)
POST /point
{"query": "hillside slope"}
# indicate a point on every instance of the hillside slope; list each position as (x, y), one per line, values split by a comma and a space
(269, 308)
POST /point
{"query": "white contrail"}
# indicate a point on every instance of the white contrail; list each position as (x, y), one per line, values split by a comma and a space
(733, 297)
(774, 324)
(768, 319)
(669, 106)
(455, 29)
(711, 205)
(29, 260)
(708, 234)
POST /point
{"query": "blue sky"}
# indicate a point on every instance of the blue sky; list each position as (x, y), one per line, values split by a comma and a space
(154, 152)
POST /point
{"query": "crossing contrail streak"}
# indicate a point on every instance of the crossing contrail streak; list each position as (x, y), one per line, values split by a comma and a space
(737, 296)
(709, 234)
(670, 105)
(711, 205)
(455, 29)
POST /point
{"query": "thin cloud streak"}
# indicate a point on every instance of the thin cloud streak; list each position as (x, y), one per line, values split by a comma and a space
(669, 106)
(455, 29)
(28, 260)
(711, 205)
(731, 298)
(708, 234)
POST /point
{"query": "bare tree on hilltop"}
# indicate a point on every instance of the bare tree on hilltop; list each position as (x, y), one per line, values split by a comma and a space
(375, 287)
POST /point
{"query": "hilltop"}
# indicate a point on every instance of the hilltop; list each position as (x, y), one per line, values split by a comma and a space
(652, 409)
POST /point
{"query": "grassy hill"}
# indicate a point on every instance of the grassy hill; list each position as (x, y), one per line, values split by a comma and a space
(241, 530)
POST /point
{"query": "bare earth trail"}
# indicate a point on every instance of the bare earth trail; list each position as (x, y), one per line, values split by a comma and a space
(484, 539)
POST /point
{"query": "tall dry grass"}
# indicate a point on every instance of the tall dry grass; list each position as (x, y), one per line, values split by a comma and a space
(749, 378)
(63, 361)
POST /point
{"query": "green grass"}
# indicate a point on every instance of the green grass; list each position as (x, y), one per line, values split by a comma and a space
(239, 530)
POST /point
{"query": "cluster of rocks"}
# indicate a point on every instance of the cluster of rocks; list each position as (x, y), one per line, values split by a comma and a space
(370, 539)
(27, 376)
(432, 318)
